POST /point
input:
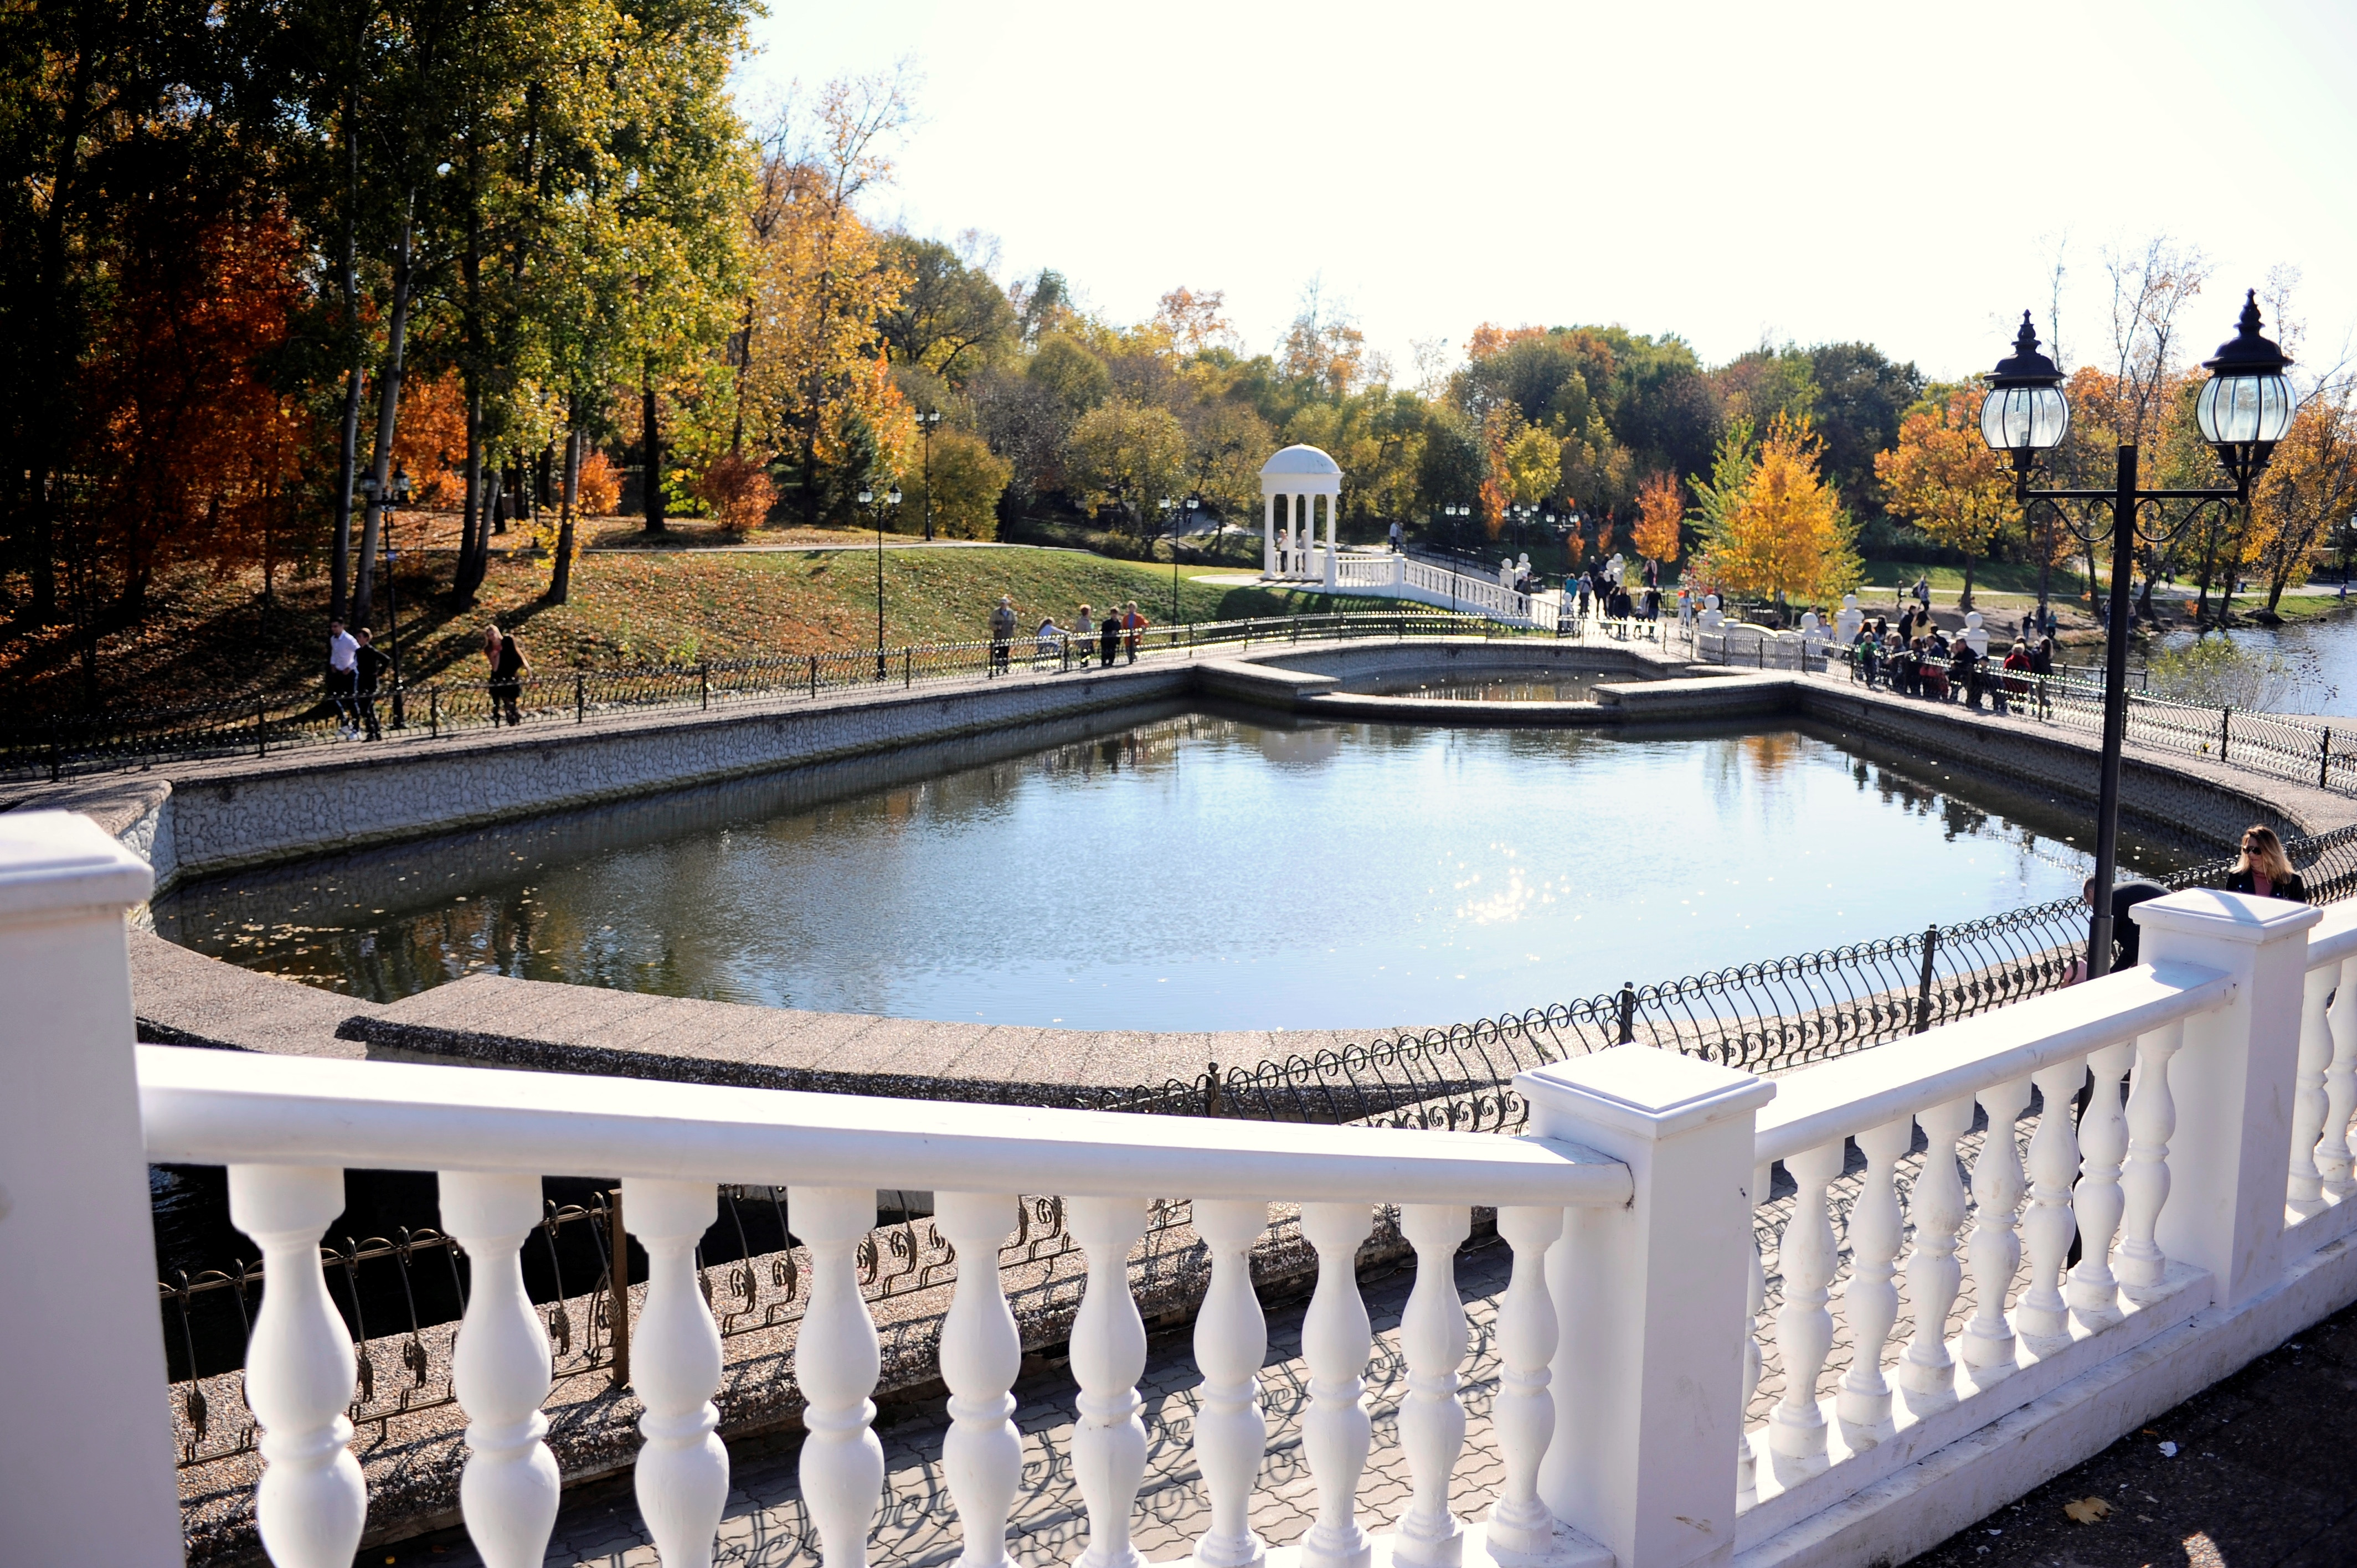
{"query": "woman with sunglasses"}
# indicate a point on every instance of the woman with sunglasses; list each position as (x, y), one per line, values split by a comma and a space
(2264, 869)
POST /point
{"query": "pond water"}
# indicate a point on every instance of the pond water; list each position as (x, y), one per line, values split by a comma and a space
(1524, 686)
(2305, 667)
(1192, 872)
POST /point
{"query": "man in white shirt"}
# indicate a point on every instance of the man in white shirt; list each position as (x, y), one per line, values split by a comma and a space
(343, 673)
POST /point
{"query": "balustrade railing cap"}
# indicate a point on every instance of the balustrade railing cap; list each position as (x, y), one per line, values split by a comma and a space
(62, 860)
(2225, 916)
(1641, 1089)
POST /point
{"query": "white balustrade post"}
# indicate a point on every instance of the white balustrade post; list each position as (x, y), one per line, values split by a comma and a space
(835, 1361)
(2232, 1082)
(982, 1453)
(299, 1370)
(1108, 1358)
(1804, 1328)
(500, 1370)
(2043, 1319)
(86, 1448)
(1268, 533)
(1431, 1415)
(1994, 1249)
(1755, 1298)
(1928, 1372)
(1524, 1415)
(1231, 1343)
(683, 1471)
(1649, 1379)
(1871, 1300)
(2139, 1264)
(1336, 1341)
(2332, 1158)
(2304, 1193)
(1333, 538)
(2098, 1201)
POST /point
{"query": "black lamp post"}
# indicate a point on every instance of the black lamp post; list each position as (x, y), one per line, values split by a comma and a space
(394, 495)
(867, 498)
(926, 420)
(1179, 516)
(2243, 409)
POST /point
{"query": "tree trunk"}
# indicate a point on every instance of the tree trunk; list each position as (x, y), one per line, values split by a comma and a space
(560, 581)
(339, 562)
(474, 544)
(651, 484)
(388, 411)
(1965, 600)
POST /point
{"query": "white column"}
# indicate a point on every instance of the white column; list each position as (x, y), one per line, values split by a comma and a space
(500, 1370)
(2043, 1319)
(2332, 1159)
(1755, 1298)
(1333, 539)
(86, 1445)
(982, 1453)
(683, 1470)
(1995, 1247)
(1108, 1358)
(1524, 1415)
(2098, 1202)
(1231, 1343)
(1934, 1275)
(2232, 1082)
(2305, 1191)
(299, 1370)
(1431, 1415)
(1336, 1341)
(1268, 533)
(835, 1361)
(1647, 1383)
(1804, 1328)
(2144, 1182)
(1871, 1300)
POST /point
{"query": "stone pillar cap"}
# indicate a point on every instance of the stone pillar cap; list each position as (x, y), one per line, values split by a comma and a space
(62, 860)
(1642, 1090)
(2228, 917)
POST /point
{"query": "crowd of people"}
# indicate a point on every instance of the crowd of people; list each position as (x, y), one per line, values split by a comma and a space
(1608, 589)
(357, 669)
(1110, 636)
(1917, 658)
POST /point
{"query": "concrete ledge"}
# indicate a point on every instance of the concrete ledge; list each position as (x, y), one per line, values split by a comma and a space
(1729, 696)
(1263, 685)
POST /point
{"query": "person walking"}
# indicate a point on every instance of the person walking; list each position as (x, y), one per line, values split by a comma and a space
(1083, 630)
(1399, 545)
(2264, 868)
(1923, 594)
(2041, 667)
(1133, 626)
(369, 666)
(1051, 638)
(1002, 633)
(1109, 639)
(504, 654)
(344, 657)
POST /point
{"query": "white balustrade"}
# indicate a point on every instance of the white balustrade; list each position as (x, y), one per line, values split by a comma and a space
(1231, 1342)
(499, 1372)
(1431, 1415)
(2333, 1155)
(1336, 1341)
(299, 1370)
(835, 1362)
(1994, 1249)
(2304, 1193)
(2139, 1263)
(1755, 1297)
(2043, 1318)
(1935, 1277)
(982, 1453)
(1108, 1358)
(2098, 1201)
(683, 1470)
(1804, 1326)
(1524, 1415)
(1870, 1302)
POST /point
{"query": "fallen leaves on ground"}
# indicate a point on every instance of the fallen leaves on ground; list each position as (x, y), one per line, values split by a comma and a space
(2087, 1510)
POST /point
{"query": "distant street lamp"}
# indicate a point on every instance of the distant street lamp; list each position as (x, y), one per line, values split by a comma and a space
(926, 420)
(867, 498)
(1177, 517)
(2243, 411)
(394, 495)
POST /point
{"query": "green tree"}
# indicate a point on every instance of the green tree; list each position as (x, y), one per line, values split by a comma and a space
(1127, 455)
(950, 318)
(967, 480)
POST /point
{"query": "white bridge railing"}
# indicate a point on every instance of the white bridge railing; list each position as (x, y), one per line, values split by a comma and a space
(2207, 1181)
(1394, 576)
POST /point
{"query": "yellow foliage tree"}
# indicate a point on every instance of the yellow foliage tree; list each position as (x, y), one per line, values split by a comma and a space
(2310, 487)
(1660, 508)
(1786, 535)
(1944, 476)
(1533, 464)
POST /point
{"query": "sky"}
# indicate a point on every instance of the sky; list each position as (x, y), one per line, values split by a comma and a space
(1735, 173)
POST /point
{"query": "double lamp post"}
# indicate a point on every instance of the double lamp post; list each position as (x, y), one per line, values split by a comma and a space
(2243, 409)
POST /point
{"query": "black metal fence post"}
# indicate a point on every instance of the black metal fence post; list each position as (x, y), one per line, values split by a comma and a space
(2226, 730)
(580, 697)
(1923, 986)
(2324, 762)
(260, 730)
(1628, 1013)
(434, 712)
(704, 685)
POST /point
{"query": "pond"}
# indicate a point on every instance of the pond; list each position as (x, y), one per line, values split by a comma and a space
(2301, 667)
(1192, 872)
(1518, 685)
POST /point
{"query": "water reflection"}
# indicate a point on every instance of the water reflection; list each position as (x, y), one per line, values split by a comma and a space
(1192, 872)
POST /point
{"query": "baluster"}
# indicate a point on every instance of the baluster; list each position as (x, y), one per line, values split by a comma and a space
(1994, 1248)
(1805, 1329)
(2144, 1183)
(2332, 1157)
(1336, 1341)
(1108, 1358)
(500, 1370)
(299, 1370)
(1431, 1417)
(835, 1361)
(683, 1470)
(1870, 1301)
(1928, 1372)
(1231, 1343)
(1523, 1416)
(982, 1453)
(2309, 1104)
(1747, 1478)
(2043, 1319)
(2093, 1293)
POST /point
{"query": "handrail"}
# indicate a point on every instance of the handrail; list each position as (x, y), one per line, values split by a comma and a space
(221, 1108)
(1837, 1098)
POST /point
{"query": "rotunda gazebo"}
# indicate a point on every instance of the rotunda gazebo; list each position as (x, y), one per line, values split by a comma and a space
(1294, 478)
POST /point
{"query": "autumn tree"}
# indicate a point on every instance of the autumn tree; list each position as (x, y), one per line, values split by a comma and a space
(1661, 514)
(1781, 531)
(1128, 455)
(1944, 476)
(2310, 487)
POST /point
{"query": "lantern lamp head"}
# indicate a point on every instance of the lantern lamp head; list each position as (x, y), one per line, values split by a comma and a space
(2246, 400)
(2024, 410)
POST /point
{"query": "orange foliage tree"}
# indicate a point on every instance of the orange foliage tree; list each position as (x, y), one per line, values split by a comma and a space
(1660, 508)
(1944, 476)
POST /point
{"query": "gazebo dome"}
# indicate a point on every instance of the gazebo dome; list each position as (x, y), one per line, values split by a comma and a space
(1300, 459)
